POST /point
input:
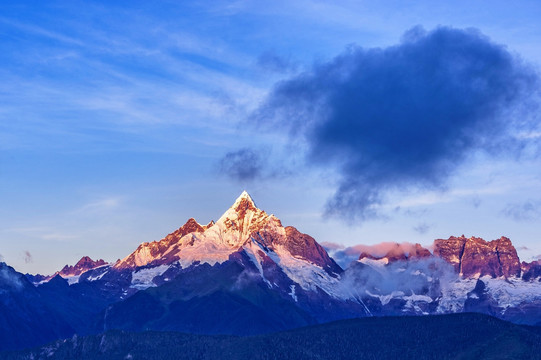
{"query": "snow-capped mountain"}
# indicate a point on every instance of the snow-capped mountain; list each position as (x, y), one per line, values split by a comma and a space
(83, 265)
(70, 272)
(246, 273)
(242, 228)
(405, 280)
(462, 274)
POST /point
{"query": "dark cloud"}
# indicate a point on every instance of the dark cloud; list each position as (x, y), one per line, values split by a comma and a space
(523, 248)
(422, 228)
(405, 116)
(526, 211)
(244, 164)
(27, 257)
(270, 61)
(251, 164)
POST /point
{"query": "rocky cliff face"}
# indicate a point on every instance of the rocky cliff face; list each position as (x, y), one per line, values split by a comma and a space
(531, 270)
(306, 247)
(475, 257)
(69, 271)
(451, 250)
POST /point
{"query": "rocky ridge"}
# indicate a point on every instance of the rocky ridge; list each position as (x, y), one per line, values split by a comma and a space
(83, 265)
(475, 257)
(470, 257)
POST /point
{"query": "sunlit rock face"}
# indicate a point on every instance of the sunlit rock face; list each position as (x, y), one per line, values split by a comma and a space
(85, 264)
(475, 257)
(150, 251)
(451, 250)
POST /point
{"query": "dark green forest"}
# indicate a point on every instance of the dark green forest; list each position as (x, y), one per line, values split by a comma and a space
(456, 336)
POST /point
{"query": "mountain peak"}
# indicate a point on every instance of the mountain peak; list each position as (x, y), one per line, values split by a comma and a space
(243, 217)
(86, 263)
(474, 257)
(244, 198)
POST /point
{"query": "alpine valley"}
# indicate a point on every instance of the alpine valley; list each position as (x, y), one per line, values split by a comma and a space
(247, 274)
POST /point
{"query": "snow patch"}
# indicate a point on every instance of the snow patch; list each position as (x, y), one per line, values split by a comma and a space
(385, 299)
(374, 263)
(292, 293)
(454, 294)
(309, 276)
(142, 279)
(253, 254)
(512, 291)
(72, 279)
(97, 277)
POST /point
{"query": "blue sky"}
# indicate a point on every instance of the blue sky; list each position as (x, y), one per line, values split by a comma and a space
(115, 120)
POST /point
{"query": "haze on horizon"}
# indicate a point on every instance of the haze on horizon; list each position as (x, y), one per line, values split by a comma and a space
(357, 123)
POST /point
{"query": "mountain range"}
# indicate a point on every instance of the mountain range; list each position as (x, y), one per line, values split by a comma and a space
(247, 274)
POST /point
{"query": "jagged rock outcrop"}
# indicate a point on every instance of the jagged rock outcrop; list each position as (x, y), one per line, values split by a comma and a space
(306, 247)
(158, 249)
(475, 257)
(479, 300)
(85, 264)
(531, 271)
(37, 278)
(451, 250)
(508, 257)
(69, 271)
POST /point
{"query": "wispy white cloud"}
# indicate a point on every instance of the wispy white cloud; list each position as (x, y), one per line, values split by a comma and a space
(530, 135)
(101, 205)
(41, 232)
(105, 81)
(40, 31)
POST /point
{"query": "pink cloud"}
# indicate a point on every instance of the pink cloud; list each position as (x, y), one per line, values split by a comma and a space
(382, 249)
